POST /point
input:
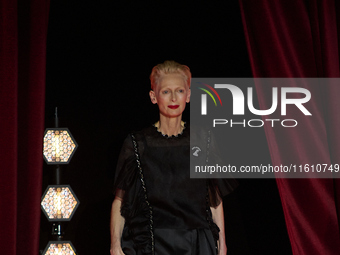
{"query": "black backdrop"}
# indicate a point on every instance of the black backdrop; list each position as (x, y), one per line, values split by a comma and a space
(99, 57)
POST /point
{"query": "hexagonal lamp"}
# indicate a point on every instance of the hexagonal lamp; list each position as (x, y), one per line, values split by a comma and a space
(59, 248)
(59, 203)
(59, 146)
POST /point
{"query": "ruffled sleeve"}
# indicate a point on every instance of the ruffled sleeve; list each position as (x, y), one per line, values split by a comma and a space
(218, 188)
(128, 188)
(126, 185)
(125, 168)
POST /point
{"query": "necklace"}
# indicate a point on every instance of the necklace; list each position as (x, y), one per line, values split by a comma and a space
(182, 127)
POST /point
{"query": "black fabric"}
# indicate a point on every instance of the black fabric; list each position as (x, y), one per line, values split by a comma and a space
(174, 241)
(209, 154)
(180, 206)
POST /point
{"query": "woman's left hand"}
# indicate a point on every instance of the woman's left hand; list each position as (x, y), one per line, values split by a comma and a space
(222, 248)
(218, 218)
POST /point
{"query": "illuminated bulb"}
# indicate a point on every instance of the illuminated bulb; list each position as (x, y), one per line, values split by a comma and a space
(58, 146)
(57, 149)
(59, 202)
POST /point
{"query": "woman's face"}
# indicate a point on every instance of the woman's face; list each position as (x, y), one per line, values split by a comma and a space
(171, 94)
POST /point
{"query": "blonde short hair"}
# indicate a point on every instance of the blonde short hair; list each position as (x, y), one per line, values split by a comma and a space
(169, 67)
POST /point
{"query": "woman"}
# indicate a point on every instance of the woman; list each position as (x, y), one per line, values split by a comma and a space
(158, 209)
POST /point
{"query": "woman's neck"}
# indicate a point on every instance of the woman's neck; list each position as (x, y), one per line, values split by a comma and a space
(170, 126)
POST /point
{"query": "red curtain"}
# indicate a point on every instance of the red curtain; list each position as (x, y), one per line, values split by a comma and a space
(298, 38)
(23, 32)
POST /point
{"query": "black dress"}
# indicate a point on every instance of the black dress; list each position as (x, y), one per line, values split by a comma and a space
(165, 211)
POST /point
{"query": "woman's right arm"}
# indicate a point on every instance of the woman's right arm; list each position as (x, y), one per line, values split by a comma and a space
(116, 227)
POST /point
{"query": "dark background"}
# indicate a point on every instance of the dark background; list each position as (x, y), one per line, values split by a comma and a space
(99, 57)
